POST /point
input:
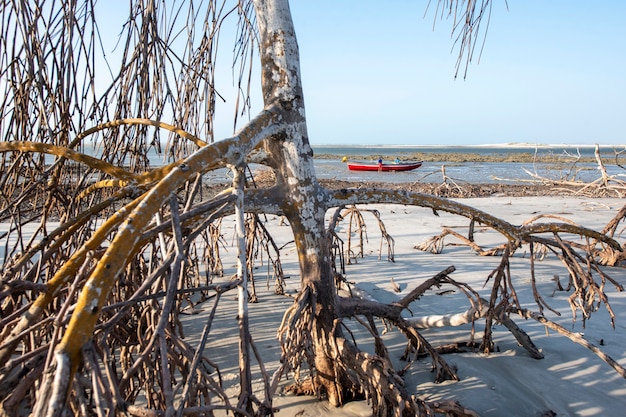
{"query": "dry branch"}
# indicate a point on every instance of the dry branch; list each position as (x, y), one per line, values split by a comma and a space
(90, 310)
(575, 337)
(604, 186)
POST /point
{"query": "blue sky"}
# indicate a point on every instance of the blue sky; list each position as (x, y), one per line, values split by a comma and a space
(379, 73)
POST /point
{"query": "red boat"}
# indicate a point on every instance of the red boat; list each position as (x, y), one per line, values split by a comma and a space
(385, 166)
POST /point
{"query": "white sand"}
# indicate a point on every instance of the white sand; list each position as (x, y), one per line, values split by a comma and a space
(570, 381)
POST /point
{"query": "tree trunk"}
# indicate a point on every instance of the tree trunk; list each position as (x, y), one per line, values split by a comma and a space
(337, 368)
(292, 159)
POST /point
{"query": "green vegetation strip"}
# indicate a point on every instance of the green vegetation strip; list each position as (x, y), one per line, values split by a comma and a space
(476, 157)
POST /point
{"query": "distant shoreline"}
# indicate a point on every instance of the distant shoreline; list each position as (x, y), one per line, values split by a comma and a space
(520, 153)
(469, 157)
(512, 145)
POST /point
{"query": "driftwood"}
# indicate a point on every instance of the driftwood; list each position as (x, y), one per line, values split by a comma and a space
(582, 262)
(575, 337)
(604, 186)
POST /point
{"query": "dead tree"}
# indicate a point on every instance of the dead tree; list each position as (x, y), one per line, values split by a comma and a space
(91, 311)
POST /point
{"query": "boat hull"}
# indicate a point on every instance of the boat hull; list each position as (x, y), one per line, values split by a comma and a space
(385, 167)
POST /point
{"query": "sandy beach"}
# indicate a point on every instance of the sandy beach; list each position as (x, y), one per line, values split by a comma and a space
(570, 381)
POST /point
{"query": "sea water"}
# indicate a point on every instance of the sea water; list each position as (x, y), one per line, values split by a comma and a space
(486, 150)
(332, 167)
(468, 172)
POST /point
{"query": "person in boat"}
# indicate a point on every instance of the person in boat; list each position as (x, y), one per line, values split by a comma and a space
(380, 163)
(397, 161)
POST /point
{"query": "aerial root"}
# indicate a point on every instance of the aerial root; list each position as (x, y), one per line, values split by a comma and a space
(451, 408)
(575, 337)
(436, 244)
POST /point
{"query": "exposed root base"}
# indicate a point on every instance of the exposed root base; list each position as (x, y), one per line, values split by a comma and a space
(308, 387)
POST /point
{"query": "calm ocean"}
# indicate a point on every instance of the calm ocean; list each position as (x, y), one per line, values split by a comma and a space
(331, 166)
(470, 172)
(399, 150)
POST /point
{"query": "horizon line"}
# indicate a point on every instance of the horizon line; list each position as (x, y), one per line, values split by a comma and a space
(498, 145)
